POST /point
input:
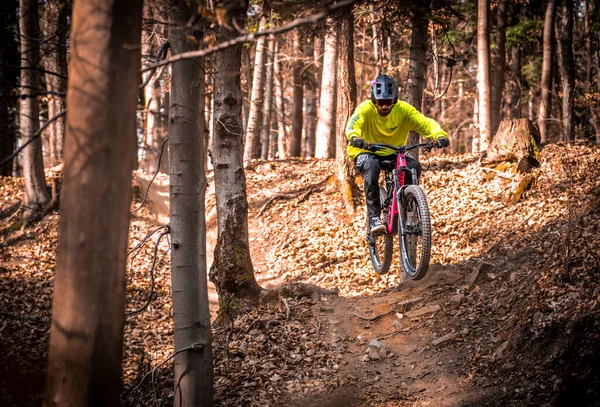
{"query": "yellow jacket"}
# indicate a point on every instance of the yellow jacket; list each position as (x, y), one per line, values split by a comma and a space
(392, 129)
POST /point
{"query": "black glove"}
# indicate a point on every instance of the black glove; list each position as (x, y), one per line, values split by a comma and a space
(359, 143)
(442, 142)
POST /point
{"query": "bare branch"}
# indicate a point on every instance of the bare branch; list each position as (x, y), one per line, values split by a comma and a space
(251, 37)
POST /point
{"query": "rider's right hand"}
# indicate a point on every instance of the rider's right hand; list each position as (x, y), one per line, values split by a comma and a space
(359, 143)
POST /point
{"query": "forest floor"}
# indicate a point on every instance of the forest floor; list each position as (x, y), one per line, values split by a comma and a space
(508, 314)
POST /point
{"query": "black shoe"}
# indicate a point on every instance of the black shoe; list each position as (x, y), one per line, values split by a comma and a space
(377, 228)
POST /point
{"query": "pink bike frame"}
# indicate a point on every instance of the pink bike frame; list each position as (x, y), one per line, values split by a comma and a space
(398, 183)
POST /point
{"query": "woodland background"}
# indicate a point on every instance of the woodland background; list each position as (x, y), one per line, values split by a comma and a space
(217, 95)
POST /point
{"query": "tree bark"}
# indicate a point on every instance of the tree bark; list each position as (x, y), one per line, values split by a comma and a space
(546, 83)
(417, 66)
(253, 132)
(483, 74)
(55, 60)
(266, 126)
(346, 103)
(499, 65)
(232, 271)
(85, 355)
(567, 68)
(36, 191)
(515, 82)
(325, 144)
(279, 106)
(191, 316)
(310, 100)
(298, 99)
(8, 82)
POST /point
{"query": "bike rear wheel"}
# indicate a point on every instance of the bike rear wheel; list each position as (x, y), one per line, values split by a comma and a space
(414, 233)
(381, 247)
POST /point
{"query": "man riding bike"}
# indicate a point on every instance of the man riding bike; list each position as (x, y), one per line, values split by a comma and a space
(385, 119)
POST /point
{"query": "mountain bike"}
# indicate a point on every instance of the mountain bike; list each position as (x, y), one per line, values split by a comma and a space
(404, 211)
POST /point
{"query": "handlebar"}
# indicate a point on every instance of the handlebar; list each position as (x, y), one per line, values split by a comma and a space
(380, 146)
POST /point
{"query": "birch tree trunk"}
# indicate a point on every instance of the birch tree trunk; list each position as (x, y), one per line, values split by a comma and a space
(546, 83)
(325, 144)
(483, 74)
(279, 107)
(8, 82)
(55, 60)
(567, 68)
(298, 99)
(191, 316)
(417, 67)
(253, 133)
(310, 99)
(499, 65)
(346, 103)
(232, 271)
(88, 313)
(266, 126)
(36, 190)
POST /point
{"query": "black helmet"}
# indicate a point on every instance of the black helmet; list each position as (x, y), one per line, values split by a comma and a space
(384, 87)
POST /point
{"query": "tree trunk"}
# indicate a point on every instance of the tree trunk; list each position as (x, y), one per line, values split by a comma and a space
(232, 271)
(55, 60)
(346, 103)
(298, 99)
(191, 316)
(515, 82)
(546, 83)
(279, 106)
(253, 133)
(36, 191)
(8, 82)
(417, 66)
(266, 126)
(310, 98)
(499, 65)
(567, 68)
(85, 355)
(325, 144)
(483, 74)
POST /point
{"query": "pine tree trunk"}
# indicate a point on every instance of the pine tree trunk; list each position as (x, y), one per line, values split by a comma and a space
(310, 100)
(232, 271)
(279, 106)
(88, 314)
(8, 82)
(55, 60)
(567, 69)
(326, 130)
(417, 67)
(253, 131)
(499, 66)
(298, 99)
(515, 82)
(346, 103)
(546, 84)
(483, 74)
(266, 126)
(191, 317)
(36, 191)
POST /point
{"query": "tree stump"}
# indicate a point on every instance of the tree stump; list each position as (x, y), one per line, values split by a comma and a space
(516, 141)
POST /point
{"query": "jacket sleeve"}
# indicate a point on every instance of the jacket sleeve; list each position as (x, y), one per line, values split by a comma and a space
(354, 126)
(425, 126)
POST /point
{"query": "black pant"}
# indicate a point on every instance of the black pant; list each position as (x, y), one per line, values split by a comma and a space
(370, 166)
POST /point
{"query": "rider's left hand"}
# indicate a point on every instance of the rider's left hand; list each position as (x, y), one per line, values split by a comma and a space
(442, 142)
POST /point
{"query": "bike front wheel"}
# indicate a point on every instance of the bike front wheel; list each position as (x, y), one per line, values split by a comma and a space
(414, 232)
(381, 247)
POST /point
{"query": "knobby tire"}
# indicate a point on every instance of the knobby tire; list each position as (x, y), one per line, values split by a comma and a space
(415, 246)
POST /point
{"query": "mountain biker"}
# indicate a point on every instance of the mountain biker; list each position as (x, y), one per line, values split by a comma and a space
(385, 119)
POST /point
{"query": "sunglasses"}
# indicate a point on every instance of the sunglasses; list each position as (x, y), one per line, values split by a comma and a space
(384, 102)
